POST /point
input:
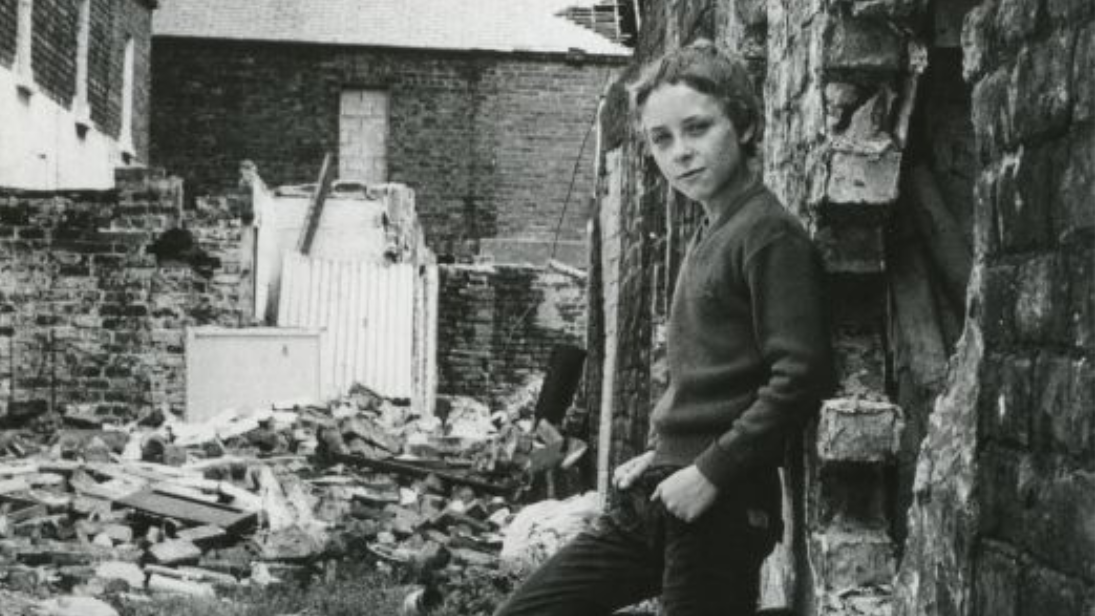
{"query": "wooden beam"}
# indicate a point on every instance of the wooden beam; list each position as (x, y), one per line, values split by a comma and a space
(941, 233)
(195, 512)
(315, 208)
(412, 470)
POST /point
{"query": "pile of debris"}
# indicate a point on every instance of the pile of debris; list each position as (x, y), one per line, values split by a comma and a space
(251, 497)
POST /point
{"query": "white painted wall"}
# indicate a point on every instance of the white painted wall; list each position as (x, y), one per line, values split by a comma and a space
(41, 148)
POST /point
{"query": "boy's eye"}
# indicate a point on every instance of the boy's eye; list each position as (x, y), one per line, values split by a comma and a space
(697, 128)
(659, 139)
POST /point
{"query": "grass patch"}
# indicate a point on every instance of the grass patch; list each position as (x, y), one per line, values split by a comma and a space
(356, 590)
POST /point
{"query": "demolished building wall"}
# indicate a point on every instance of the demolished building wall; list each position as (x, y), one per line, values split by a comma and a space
(488, 141)
(498, 324)
(91, 317)
(1002, 522)
(841, 85)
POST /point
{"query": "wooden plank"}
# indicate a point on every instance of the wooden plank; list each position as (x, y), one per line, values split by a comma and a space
(174, 552)
(15, 484)
(315, 208)
(17, 509)
(202, 535)
(191, 511)
(942, 234)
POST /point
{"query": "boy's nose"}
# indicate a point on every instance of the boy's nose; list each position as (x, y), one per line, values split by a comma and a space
(683, 153)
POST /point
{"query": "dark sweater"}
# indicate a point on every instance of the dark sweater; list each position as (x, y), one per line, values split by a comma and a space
(749, 353)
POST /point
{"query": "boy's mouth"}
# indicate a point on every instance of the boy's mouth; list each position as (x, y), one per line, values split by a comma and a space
(687, 175)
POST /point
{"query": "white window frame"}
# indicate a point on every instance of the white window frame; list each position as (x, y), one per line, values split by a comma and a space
(24, 41)
(125, 136)
(80, 107)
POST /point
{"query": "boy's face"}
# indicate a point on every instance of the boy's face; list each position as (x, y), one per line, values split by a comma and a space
(693, 141)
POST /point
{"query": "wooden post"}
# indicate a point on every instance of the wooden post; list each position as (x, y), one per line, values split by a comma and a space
(941, 233)
(315, 208)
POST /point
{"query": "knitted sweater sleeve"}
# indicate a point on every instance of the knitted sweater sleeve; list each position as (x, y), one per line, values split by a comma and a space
(785, 279)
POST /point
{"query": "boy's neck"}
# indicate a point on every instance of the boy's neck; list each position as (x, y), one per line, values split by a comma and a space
(719, 205)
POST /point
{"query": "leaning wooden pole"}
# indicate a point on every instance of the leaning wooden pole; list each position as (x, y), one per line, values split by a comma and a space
(941, 233)
(315, 208)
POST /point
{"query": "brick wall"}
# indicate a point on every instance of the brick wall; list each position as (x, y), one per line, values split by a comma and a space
(87, 316)
(488, 142)
(497, 326)
(1016, 421)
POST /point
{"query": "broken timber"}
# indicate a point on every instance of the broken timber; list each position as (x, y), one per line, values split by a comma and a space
(413, 470)
(189, 510)
(315, 208)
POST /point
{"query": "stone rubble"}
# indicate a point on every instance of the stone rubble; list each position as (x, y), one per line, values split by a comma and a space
(251, 497)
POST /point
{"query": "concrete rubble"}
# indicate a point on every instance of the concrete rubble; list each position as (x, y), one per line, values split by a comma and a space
(251, 497)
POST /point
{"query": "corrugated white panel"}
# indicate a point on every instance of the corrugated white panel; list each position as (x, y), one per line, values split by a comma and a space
(367, 312)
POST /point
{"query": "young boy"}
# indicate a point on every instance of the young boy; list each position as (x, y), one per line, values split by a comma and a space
(749, 360)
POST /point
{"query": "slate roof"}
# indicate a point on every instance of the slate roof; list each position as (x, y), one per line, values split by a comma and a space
(496, 25)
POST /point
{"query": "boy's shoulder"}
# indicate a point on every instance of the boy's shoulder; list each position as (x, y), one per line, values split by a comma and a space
(764, 219)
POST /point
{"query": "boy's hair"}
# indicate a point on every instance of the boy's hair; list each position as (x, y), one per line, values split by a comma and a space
(704, 68)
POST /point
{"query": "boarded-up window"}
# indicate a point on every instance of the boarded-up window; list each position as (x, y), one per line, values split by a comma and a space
(363, 136)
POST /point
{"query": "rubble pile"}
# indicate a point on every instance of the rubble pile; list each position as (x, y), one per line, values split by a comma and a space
(252, 497)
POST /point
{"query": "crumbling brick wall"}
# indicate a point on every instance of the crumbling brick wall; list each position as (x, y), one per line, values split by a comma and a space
(1006, 495)
(88, 318)
(497, 326)
(487, 141)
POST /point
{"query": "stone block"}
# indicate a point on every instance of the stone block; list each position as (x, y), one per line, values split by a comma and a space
(1069, 11)
(1074, 208)
(852, 249)
(1005, 406)
(1062, 422)
(856, 177)
(1004, 478)
(996, 585)
(992, 114)
(888, 9)
(998, 305)
(1044, 592)
(1041, 307)
(1040, 87)
(844, 559)
(1083, 86)
(853, 430)
(1022, 201)
(1082, 296)
(862, 44)
(1015, 21)
(1058, 526)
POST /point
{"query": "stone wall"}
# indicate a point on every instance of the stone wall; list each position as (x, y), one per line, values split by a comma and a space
(497, 326)
(89, 319)
(1005, 495)
(487, 141)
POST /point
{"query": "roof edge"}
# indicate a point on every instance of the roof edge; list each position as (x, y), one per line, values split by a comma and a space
(576, 56)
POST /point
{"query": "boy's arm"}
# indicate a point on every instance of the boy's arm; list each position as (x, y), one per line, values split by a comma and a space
(790, 317)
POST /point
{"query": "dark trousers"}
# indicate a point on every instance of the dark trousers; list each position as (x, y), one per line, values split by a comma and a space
(638, 550)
